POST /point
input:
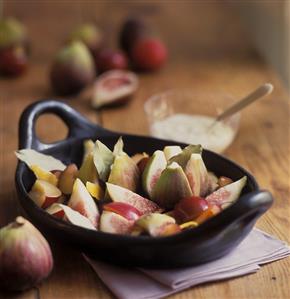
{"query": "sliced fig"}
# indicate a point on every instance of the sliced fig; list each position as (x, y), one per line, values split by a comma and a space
(213, 182)
(56, 210)
(88, 171)
(103, 159)
(197, 176)
(183, 157)
(171, 187)
(76, 218)
(228, 194)
(223, 181)
(124, 173)
(82, 202)
(88, 148)
(31, 157)
(152, 171)
(120, 194)
(156, 224)
(119, 147)
(171, 151)
(113, 223)
(114, 87)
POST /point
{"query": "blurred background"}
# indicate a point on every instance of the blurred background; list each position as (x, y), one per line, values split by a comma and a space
(196, 30)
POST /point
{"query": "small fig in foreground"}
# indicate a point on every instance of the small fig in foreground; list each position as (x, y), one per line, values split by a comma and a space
(72, 70)
(114, 88)
(25, 256)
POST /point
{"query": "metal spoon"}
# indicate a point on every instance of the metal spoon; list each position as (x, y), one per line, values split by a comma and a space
(257, 94)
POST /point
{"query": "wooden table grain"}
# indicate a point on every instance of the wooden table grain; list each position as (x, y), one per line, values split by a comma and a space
(206, 54)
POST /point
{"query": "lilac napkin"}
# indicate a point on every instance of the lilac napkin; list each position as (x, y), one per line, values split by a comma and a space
(257, 249)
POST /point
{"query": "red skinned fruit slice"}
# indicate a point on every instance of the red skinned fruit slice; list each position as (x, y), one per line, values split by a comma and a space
(76, 218)
(120, 194)
(197, 176)
(171, 187)
(228, 194)
(114, 87)
(127, 211)
(82, 202)
(56, 210)
(152, 171)
(115, 224)
(44, 194)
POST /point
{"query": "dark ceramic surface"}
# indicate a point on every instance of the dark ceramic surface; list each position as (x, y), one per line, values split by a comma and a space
(209, 241)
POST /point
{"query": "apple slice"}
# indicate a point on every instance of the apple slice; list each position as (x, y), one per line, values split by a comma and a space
(44, 194)
(88, 171)
(197, 176)
(120, 194)
(67, 179)
(152, 171)
(44, 175)
(184, 156)
(171, 187)
(171, 151)
(76, 218)
(123, 209)
(56, 210)
(115, 224)
(46, 162)
(82, 202)
(95, 190)
(227, 195)
(189, 208)
(124, 173)
(156, 224)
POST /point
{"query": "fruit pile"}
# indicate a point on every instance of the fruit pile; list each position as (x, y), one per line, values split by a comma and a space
(112, 192)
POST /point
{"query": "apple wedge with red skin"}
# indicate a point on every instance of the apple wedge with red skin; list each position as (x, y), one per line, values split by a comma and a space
(189, 208)
(82, 202)
(227, 195)
(123, 209)
(44, 194)
(113, 223)
(56, 210)
(154, 167)
(120, 194)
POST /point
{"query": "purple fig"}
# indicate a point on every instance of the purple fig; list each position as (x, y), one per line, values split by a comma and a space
(73, 69)
(25, 256)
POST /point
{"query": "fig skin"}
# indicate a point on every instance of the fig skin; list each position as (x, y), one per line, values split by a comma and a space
(25, 256)
(72, 70)
(132, 30)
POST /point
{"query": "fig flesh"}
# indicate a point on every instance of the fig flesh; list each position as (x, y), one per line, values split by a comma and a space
(114, 88)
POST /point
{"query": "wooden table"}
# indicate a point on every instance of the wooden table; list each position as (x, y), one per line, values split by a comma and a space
(199, 60)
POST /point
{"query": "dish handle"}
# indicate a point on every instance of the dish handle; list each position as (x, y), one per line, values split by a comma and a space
(244, 212)
(78, 125)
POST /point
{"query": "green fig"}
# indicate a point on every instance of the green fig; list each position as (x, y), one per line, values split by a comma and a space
(197, 175)
(73, 69)
(171, 187)
(124, 173)
(152, 171)
(227, 195)
(183, 157)
(103, 159)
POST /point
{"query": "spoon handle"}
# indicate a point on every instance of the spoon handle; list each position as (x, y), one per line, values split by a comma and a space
(260, 92)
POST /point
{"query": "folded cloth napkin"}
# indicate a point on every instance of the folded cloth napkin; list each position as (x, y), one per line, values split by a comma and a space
(256, 249)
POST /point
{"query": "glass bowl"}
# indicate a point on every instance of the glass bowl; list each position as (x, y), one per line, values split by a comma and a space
(186, 116)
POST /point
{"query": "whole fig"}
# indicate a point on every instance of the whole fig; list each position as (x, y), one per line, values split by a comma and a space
(25, 256)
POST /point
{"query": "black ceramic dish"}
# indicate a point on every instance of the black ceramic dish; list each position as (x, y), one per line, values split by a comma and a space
(209, 241)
